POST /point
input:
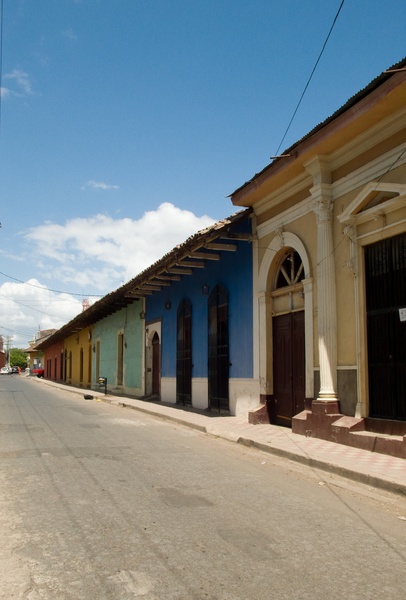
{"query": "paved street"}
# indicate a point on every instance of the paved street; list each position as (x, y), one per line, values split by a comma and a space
(98, 502)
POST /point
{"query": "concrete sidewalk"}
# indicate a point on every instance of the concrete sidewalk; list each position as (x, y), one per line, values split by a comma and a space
(377, 470)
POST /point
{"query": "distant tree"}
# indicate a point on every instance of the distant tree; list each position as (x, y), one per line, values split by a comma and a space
(18, 358)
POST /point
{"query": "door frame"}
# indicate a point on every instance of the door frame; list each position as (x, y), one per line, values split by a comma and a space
(264, 310)
(152, 328)
(288, 366)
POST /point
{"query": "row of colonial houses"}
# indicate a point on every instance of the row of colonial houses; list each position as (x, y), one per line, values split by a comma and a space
(293, 310)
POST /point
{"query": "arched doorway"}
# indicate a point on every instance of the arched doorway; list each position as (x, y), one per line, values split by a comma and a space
(218, 363)
(184, 354)
(156, 365)
(288, 338)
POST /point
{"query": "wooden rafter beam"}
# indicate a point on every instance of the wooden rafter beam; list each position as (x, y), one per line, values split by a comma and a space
(197, 264)
(179, 271)
(149, 287)
(159, 281)
(204, 255)
(138, 293)
(167, 277)
(217, 246)
(244, 237)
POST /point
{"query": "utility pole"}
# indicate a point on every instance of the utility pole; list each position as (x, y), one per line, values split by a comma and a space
(8, 347)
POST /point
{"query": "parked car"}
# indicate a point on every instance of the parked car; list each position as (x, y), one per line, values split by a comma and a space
(38, 372)
(14, 370)
(4, 371)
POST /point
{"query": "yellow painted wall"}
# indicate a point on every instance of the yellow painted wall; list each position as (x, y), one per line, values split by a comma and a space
(78, 349)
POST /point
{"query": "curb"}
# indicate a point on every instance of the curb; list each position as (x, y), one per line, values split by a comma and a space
(370, 480)
(364, 478)
(174, 419)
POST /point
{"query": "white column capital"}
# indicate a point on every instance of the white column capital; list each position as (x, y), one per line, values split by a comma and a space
(322, 202)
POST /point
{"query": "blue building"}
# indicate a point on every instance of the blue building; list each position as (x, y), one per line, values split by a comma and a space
(199, 320)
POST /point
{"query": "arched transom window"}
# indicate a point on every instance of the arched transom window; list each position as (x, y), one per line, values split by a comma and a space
(291, 270)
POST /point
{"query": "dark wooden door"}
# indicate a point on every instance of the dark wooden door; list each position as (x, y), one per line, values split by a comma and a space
(385, 278)
(288, 366)
(218, 360)
(184, 354)
(156, 365)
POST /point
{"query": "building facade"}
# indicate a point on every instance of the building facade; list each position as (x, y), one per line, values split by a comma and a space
(330, 275)
(117, 351)
(199, 344)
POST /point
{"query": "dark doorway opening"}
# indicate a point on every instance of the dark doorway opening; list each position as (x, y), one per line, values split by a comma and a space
(184, 354)
(218, 367)
(156, 365)
(385, 279)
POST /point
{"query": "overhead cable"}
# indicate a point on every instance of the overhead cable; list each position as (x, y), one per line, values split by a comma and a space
(310, 78)
(40, 287)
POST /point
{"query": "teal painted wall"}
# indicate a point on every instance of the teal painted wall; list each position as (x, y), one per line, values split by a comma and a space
(106, 331)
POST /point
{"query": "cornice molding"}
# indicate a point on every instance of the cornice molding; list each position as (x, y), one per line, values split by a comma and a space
(365, 141)
(372, 170)
(292, 214)
(295, 186)
(346, 153)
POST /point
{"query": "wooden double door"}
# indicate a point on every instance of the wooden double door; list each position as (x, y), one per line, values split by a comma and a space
(288, 366)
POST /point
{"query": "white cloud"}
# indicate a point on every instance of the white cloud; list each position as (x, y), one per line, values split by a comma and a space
(21, 81)
(28, 307)
(100, 252)
(99, 185)
(95, 253)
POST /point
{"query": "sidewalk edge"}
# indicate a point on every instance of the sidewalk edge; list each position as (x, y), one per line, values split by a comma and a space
(371, 480)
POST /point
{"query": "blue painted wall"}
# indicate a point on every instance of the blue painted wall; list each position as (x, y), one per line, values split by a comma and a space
(234, 272)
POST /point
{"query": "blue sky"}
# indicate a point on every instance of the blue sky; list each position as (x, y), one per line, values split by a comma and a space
(125, 125)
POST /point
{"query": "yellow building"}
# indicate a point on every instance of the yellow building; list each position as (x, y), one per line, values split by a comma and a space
(330, 276)
(78, 358)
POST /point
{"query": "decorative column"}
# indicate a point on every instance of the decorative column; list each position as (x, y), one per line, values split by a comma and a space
(264, 336)
(350, 230)
(326, 286)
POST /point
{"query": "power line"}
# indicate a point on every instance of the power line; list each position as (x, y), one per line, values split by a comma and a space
(31, 307)
(310, 78)
(27, 334)
(40, 287)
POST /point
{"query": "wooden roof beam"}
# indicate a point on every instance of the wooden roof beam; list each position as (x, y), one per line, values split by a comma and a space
(244, 237)
(167, 277)
(179, 271)
(160, 282)
(137, 293)
(204, 255)
(150, 287)
(197, 264)
(216, 246)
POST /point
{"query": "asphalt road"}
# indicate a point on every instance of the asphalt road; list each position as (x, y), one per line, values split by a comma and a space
(99, 502)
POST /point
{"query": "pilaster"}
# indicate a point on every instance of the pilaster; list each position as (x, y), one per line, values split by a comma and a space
(326, 285)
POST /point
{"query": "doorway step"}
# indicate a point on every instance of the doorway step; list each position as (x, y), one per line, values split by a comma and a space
(376, 435)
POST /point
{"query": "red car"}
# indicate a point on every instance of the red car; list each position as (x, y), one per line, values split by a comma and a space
(38, 372)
